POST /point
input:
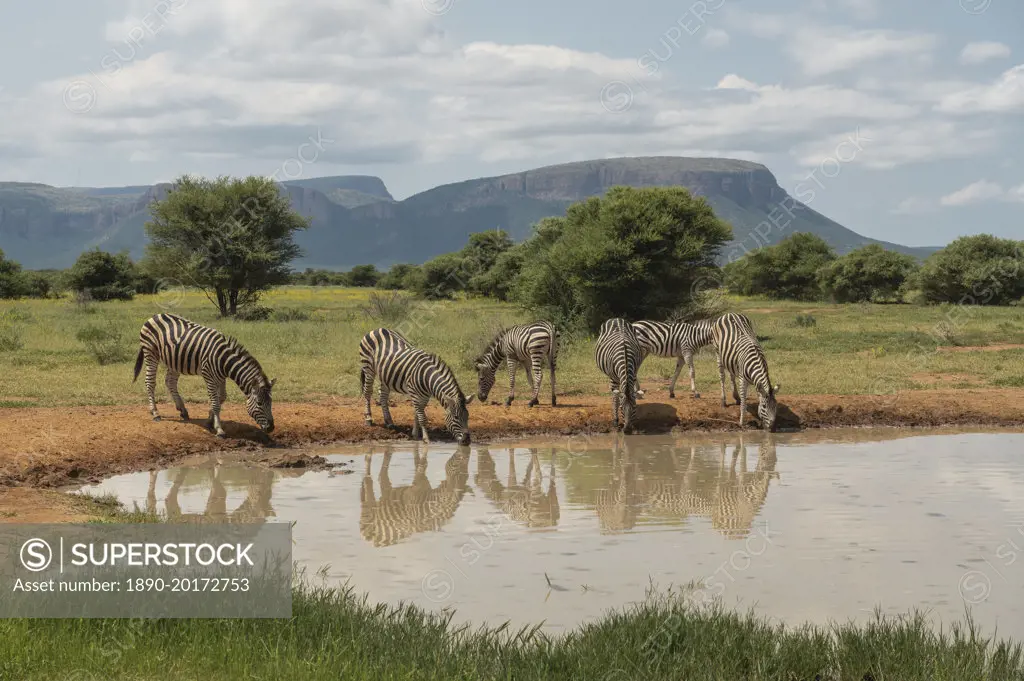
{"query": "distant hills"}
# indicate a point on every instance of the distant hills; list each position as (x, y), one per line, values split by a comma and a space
(356, 220)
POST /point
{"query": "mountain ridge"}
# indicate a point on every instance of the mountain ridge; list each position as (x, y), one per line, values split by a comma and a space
(356, 220)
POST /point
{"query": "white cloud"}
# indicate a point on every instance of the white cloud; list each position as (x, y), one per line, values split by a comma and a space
(913, 205)
(976, 53)
(1005, 94)
(976, 192)
(821, 50)
(225, 78)
(716, 38)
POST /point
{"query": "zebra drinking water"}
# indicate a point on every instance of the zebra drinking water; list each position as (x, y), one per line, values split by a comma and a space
(618, 355)
(408, 370)
(188, 348)
(673, 339)
(529, 344)
(741, 354)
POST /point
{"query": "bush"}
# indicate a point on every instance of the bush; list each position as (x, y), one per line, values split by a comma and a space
(974, 270)
(290, 314)
(868, 274)
(441, 278)
(633, 253)
(388, 309)
(363, 275)
(397, 278)
(254, 313)
(805, 321)
(10, 335)
(103, 276)
(787, 270)
(105, 343)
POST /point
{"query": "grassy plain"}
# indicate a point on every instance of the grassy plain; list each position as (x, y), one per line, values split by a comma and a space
(313, 347)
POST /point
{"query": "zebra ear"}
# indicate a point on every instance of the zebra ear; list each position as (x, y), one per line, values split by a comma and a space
(777, 388)
(470, 398)
(272, 382)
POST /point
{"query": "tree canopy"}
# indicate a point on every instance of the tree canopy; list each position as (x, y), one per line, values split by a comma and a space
(230, 237)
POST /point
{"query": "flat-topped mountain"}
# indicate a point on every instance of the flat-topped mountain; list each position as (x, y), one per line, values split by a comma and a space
(355, 219)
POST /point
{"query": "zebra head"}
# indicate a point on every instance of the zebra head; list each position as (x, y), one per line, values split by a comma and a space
(767, 408)
(258, 404)
(486, 367)
(456, 417)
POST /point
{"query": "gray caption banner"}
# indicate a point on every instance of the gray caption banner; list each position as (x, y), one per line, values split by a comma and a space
(147, 570)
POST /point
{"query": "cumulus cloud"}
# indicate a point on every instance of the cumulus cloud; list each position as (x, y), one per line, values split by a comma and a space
(978, 192)
(1004, 95)
(222, 79)
(976, 53)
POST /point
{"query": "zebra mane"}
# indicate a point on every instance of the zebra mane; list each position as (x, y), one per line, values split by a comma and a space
(491, 344)
(443, 366)
(237, 347)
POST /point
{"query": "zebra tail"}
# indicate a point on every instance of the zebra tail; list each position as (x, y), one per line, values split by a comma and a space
(138, 365)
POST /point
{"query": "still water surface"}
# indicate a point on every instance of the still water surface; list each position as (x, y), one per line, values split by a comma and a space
(802, 526)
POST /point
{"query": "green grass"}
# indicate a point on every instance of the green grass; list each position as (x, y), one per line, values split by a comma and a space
(333, 634)
(311, 345)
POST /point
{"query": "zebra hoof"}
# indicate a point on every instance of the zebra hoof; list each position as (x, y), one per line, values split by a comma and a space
(671, 395)
(554, 402)
(532, 403)
(222, 435)
(508, 402)
(184, 415)
(696, 396)
(156, 418)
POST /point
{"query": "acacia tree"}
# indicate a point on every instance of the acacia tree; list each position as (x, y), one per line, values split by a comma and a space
(232, 238)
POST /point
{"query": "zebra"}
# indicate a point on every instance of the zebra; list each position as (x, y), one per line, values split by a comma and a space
(679, 339)
(524, 502)
(618, 355)
(188, 348)
(740, 495)
(406, 369)
(529, 344)
(741, 354)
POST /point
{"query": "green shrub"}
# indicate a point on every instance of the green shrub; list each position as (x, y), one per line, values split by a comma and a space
(975, 270)
(290, 314)
(106, 343)
(805, 321)
(103, 276)
(868, 274)
(388, 309)
(254, 313)
(397, 278)
(787, 270)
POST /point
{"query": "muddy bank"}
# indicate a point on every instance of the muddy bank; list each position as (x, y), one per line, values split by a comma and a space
(50, 447)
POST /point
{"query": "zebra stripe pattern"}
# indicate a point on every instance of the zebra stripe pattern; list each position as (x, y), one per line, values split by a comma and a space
(618, 356)
(529, 344)
(400, 512)
(185, 347)
(741, 354)
(410, 371)
(679, 339)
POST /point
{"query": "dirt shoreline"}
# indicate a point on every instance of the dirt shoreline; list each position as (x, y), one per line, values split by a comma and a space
(53, 447)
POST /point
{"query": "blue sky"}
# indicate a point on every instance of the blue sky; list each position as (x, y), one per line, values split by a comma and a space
(929, 96)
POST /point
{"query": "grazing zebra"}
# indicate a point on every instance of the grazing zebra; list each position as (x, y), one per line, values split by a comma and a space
(408, 370)
(741, 354)
(185, 347)
(618, 356)
(524, 502)
(529, 344)
(678, 339)
(740, 495)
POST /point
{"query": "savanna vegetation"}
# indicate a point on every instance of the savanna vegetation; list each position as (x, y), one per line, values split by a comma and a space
(220, 250)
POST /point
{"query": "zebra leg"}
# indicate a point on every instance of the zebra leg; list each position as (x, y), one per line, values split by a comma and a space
(735, 393)
(385, 393)
(366, 379)
(151, 367)
(675, 377)
(551, 368)
(420, 405)
(171, 381)
(213, 389)
(224, 391)
(693, 375)
(615, 404)
(721, 378)
(512, 365)
(742, 398)
(538, 376)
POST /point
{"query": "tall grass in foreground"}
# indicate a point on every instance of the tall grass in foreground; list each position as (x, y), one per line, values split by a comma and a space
(335, 635)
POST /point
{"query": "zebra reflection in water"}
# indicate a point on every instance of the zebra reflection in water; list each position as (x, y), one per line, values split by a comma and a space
(728, 497)
(401, 512)
(524, 502)
(256, 507)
